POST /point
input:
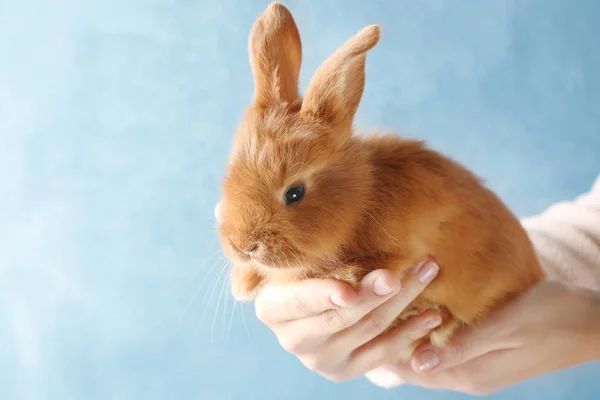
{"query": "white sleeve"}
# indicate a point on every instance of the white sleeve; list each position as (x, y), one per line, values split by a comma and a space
(566, 237)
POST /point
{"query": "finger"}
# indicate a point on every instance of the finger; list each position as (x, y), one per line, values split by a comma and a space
(308, 298)
(490, 372)
(501, 368)
(482, 375)
(498, 331)
(375, 288)
(479, 376)
(392, 346)
(468, 343)
(306, 335)
(379, 319)
(341, 331)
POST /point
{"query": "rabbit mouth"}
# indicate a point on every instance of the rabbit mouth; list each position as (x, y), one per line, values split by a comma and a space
(271, 255)
(272, 262)
(276, 260)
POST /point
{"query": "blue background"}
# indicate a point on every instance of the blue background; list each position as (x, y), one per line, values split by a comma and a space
(116, 119)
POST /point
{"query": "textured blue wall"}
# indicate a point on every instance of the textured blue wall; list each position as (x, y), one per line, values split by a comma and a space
(115, 124)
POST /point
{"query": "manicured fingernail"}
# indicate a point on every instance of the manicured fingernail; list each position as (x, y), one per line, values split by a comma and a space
(381, 288)
(427, 360)
(428, 271)
(433, 322)
(338, 301)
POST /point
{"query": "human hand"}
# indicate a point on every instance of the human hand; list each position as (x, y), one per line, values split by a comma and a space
(551, 327)
(336, 330)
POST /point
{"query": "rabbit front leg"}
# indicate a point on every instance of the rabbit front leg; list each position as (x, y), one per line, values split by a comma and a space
(246, 281)
(441, 335)
(354, 270)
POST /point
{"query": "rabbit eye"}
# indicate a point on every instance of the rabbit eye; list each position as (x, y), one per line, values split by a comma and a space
(294, 195)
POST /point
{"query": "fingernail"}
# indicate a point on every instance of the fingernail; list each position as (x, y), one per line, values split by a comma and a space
(381, 288)
(433, 322)
(428, 272)
(337, 300)
(427, 360)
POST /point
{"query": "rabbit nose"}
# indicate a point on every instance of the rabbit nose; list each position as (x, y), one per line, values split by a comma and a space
(247, 248)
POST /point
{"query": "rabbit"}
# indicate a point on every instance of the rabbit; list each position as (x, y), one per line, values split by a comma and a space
(304, 196)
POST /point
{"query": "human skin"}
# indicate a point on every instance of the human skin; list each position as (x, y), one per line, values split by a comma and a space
(552, 327)
(342, 342)
(336, 330)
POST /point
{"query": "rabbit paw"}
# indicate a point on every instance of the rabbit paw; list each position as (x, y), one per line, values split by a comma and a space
(245, 283)
(440, 336)
(354, 271)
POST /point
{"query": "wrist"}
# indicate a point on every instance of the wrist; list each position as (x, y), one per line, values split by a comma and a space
(590, 333)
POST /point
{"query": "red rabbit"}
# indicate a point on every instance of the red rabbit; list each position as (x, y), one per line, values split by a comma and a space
(305, 197)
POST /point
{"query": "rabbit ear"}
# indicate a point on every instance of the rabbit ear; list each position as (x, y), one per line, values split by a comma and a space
(334, 92)
(275, 56)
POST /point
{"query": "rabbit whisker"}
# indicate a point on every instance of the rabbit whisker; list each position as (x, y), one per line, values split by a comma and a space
(204, 280)
(214, 288)
(218, 308)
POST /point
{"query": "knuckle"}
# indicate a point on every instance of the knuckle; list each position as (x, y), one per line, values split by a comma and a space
(461, 350)
(299, 307)
(261, 312)
(385, 352)
(314, 363)
(469, 385)
(335, 319)
(291, 344)
(413, 330)
(334, 372)
(372, 326)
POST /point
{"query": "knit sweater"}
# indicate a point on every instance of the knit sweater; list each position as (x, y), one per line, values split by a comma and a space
(566, 237)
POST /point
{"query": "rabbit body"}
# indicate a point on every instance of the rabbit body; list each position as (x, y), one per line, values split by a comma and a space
(306, 197)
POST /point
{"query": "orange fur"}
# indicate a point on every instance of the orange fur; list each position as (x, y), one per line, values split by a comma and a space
(371, 202)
